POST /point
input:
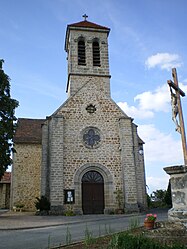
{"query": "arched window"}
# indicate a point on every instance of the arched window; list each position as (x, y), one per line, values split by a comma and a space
(81, 53)
(96, 53)
(92, 176)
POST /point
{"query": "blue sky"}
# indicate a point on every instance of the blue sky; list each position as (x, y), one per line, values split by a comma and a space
(147, 39)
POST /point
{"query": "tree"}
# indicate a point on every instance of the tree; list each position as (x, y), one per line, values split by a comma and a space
(159, 195)
(7, 121)
(168, 198)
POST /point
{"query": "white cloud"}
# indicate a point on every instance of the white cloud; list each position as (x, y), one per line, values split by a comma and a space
(135, 112)
(156, 101)
(164, 61)
(160, 147)
(183, 87)
(155, 183)
(148, 103)
(160, 150)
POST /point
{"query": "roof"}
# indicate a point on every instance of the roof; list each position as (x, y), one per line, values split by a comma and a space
(6, 178)
(87, 24)
(140, 141)
(29, 131)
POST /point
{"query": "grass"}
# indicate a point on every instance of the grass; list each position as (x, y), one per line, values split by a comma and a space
(164, 236)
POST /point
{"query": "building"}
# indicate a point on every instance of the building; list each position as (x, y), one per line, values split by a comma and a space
(88, 151)
(5, 191)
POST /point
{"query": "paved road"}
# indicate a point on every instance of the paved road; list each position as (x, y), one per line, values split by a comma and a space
(41, 238)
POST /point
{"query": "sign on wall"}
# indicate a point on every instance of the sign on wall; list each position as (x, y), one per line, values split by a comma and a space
(69, 196)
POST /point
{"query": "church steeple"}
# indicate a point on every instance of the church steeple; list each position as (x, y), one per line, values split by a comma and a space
(86, 45)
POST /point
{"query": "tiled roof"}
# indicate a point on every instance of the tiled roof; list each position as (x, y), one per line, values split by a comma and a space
(29, 130)
(6, 178)
(87, 24)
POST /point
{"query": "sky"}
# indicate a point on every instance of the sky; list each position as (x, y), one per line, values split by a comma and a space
(147, 39)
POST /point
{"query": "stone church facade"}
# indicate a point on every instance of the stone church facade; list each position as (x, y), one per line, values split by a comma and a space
(88, 150)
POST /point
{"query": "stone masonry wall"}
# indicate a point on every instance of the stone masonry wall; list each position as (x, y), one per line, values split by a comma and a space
(4, 195)
(178, 180)
(56, 161)
(108, 154)
(128, 163)
(45, 190)
(77, 82)
(88, 36)
(88, 69)
(140, 171)
(26, 175)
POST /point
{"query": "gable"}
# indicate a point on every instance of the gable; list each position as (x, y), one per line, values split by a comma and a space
(91, 93)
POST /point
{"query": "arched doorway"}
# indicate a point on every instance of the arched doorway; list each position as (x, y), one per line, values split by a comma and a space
(92, 193)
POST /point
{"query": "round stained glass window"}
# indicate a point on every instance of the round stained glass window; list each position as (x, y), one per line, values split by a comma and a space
(91, 137)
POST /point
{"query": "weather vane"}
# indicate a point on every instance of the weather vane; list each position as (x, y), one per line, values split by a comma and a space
(177, 115)
(85, 16)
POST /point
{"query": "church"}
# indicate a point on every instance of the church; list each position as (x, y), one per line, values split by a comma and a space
(87, 155)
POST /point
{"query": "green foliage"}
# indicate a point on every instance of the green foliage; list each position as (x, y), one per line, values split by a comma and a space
(168, 198)
(108, 230)
(42, 203)
(68, 236)
(49, 242)
(148, 201)
(134, 222)
(159, 195)
(89, 239)
(119, 197)
(7, 121)
(160, 198)
(69, 211)
(19, 205)
(128, 241)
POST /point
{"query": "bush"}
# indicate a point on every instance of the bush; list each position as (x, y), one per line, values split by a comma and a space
(42, 203)
(69, 211)
(128, 241)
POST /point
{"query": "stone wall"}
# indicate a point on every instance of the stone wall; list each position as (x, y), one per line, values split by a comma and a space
(178, 179)
(26, 173)
(5, 195)
(75, 71)
(107, 156)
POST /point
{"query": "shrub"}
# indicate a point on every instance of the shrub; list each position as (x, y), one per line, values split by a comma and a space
(42, 203)
(69, 211)
(128, 241)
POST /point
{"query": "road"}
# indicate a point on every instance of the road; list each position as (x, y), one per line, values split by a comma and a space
(42, 238)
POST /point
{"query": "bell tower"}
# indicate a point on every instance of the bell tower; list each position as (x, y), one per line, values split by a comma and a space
(86, 44)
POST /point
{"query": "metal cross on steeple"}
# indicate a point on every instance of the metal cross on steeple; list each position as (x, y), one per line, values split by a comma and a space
(85, 16)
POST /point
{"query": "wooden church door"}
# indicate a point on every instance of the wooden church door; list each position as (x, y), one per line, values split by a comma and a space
(92, 193)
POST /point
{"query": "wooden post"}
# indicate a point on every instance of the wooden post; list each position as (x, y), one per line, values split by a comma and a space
(179, 92)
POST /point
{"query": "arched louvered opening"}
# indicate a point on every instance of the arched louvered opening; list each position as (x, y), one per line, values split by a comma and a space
(96, 53)
(92, 193)
(81, 53)
(92, 176)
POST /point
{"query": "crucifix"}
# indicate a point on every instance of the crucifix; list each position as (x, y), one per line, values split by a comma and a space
(176, 92)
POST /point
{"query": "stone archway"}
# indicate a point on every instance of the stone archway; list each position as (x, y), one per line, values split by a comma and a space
(108, 186)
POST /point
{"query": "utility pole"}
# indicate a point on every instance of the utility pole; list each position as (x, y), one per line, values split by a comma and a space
(177, 110)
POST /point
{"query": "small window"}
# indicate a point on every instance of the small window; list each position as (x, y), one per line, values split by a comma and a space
(81, 53)
(96, 53)
(90, 108)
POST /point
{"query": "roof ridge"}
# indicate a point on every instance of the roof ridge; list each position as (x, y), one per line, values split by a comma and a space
(88, 24)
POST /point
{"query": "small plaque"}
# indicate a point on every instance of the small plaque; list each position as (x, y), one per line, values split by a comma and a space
(69, 196)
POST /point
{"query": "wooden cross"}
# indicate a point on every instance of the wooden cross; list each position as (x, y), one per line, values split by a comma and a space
(85, 16)
(177, 110)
